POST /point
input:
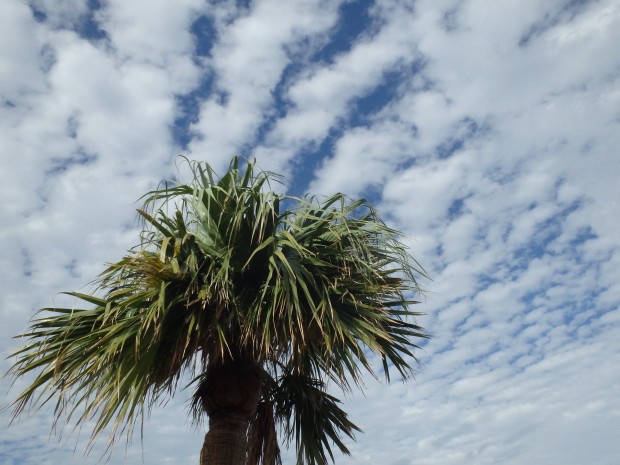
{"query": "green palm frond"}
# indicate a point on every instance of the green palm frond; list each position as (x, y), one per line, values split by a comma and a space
(311, 417)
(336, 284)
(263, 447)
(308, 293)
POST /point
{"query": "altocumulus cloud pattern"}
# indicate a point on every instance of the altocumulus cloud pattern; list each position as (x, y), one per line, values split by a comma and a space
(487, 131)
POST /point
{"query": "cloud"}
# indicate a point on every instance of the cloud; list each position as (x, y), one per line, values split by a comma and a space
(22, 62)
(247, 65)
(62, 14)
(158, 35)
(321, 97)
(376, 151)
(487, 133)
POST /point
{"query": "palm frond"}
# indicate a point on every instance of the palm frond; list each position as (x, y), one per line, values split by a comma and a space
(221, 269)
(337, 284)
(311, 417)
(263, 448)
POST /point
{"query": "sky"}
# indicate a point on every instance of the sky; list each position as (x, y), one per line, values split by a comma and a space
(487, 132)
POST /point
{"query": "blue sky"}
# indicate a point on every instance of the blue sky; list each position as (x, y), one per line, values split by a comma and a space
(487, 132)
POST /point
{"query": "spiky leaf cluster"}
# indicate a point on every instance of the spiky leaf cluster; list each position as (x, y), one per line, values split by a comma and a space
(308, 292)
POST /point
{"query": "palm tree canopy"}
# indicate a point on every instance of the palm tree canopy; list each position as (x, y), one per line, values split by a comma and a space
(223, 270)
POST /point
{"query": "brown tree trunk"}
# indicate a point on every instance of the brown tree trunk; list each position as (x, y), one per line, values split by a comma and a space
(229, 394)
(226, 441)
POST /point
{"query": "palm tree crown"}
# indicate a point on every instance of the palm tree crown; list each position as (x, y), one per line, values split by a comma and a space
(259, 305)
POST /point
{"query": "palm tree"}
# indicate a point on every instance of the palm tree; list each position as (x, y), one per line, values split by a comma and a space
(260, 306)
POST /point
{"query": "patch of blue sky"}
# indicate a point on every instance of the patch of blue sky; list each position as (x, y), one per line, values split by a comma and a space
(87, 26)
(527, 356)
(577, 312)
(587, 314)
(314, 154)
(566, 12)
(579, 316)
(364, 107)
(205, 34)
(541, 241)
(485, 280)
(464, 130)
(280, 103)
(532, 302)
(456, 208)
(361, 113)
(242, 4)
(188, 111)
(373, 192)
(311, 160)
(584, 235)
(60, 165)
(353, 20)
(38, 14)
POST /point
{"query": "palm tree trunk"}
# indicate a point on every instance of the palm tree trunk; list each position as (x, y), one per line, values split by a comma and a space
(226, 441)
(229, 395)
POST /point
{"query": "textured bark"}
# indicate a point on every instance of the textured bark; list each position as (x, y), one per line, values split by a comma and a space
(225, 442)
(229, 395)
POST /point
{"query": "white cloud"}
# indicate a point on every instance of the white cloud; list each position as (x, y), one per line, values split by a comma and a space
(247, 65)
(61, 13)
(156, 31)
(496, 155)
(375, 152)
(322, 95)
(21, 59)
